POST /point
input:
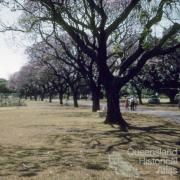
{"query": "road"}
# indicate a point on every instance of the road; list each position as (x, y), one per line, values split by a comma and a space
(169, 113)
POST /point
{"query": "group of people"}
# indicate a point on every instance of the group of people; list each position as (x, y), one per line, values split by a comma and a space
(131, 103)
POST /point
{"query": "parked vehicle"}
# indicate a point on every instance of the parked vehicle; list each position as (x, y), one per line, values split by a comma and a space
(153, 99)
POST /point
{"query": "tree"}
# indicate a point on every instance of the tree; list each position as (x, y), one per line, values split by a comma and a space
(4, 86)
(65, 75)
(93, 25)
(162, 75)
(65, 49)
(32, 81)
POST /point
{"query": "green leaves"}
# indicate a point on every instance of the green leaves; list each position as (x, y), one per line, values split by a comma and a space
(3, 86)
(144, 16)
(117, 49)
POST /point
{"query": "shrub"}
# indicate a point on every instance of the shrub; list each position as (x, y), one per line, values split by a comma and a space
(10, 100)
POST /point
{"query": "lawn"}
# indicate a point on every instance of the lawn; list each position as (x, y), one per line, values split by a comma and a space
(44, 141)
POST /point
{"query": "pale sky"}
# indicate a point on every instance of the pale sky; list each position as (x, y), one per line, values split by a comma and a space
(11, 59)
(12, 56)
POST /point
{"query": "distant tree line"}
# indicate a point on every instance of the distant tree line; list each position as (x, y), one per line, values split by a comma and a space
(4, 86)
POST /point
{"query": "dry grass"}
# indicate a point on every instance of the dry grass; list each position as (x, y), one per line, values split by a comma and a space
(43, 141)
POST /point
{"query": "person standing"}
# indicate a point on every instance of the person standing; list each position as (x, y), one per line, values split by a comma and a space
(132, 104)
(127, 104)
(135, 103)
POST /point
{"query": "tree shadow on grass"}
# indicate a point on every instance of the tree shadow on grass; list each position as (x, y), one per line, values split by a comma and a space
(20, 161)
(156, 134)
(156, 137)
(25, 162)
(84, 147)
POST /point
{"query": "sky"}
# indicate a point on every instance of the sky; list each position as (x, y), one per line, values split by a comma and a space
(12, 56)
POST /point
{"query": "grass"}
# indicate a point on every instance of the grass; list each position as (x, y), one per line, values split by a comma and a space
(45, 141)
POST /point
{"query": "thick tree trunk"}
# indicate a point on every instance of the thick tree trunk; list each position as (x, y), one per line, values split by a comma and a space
(114, 115)
(95, 103)
(111, 85)
(95, 98)
(61, 99)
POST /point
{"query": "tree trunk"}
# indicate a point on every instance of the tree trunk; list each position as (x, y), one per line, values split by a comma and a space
(50, 98)
(95, 103)
(75, 99)
(35, 97)
(114, 115)
(139, 96)
(61, 99)
(95, 91)
(95, 98)
(111, 85)
(42, 97)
